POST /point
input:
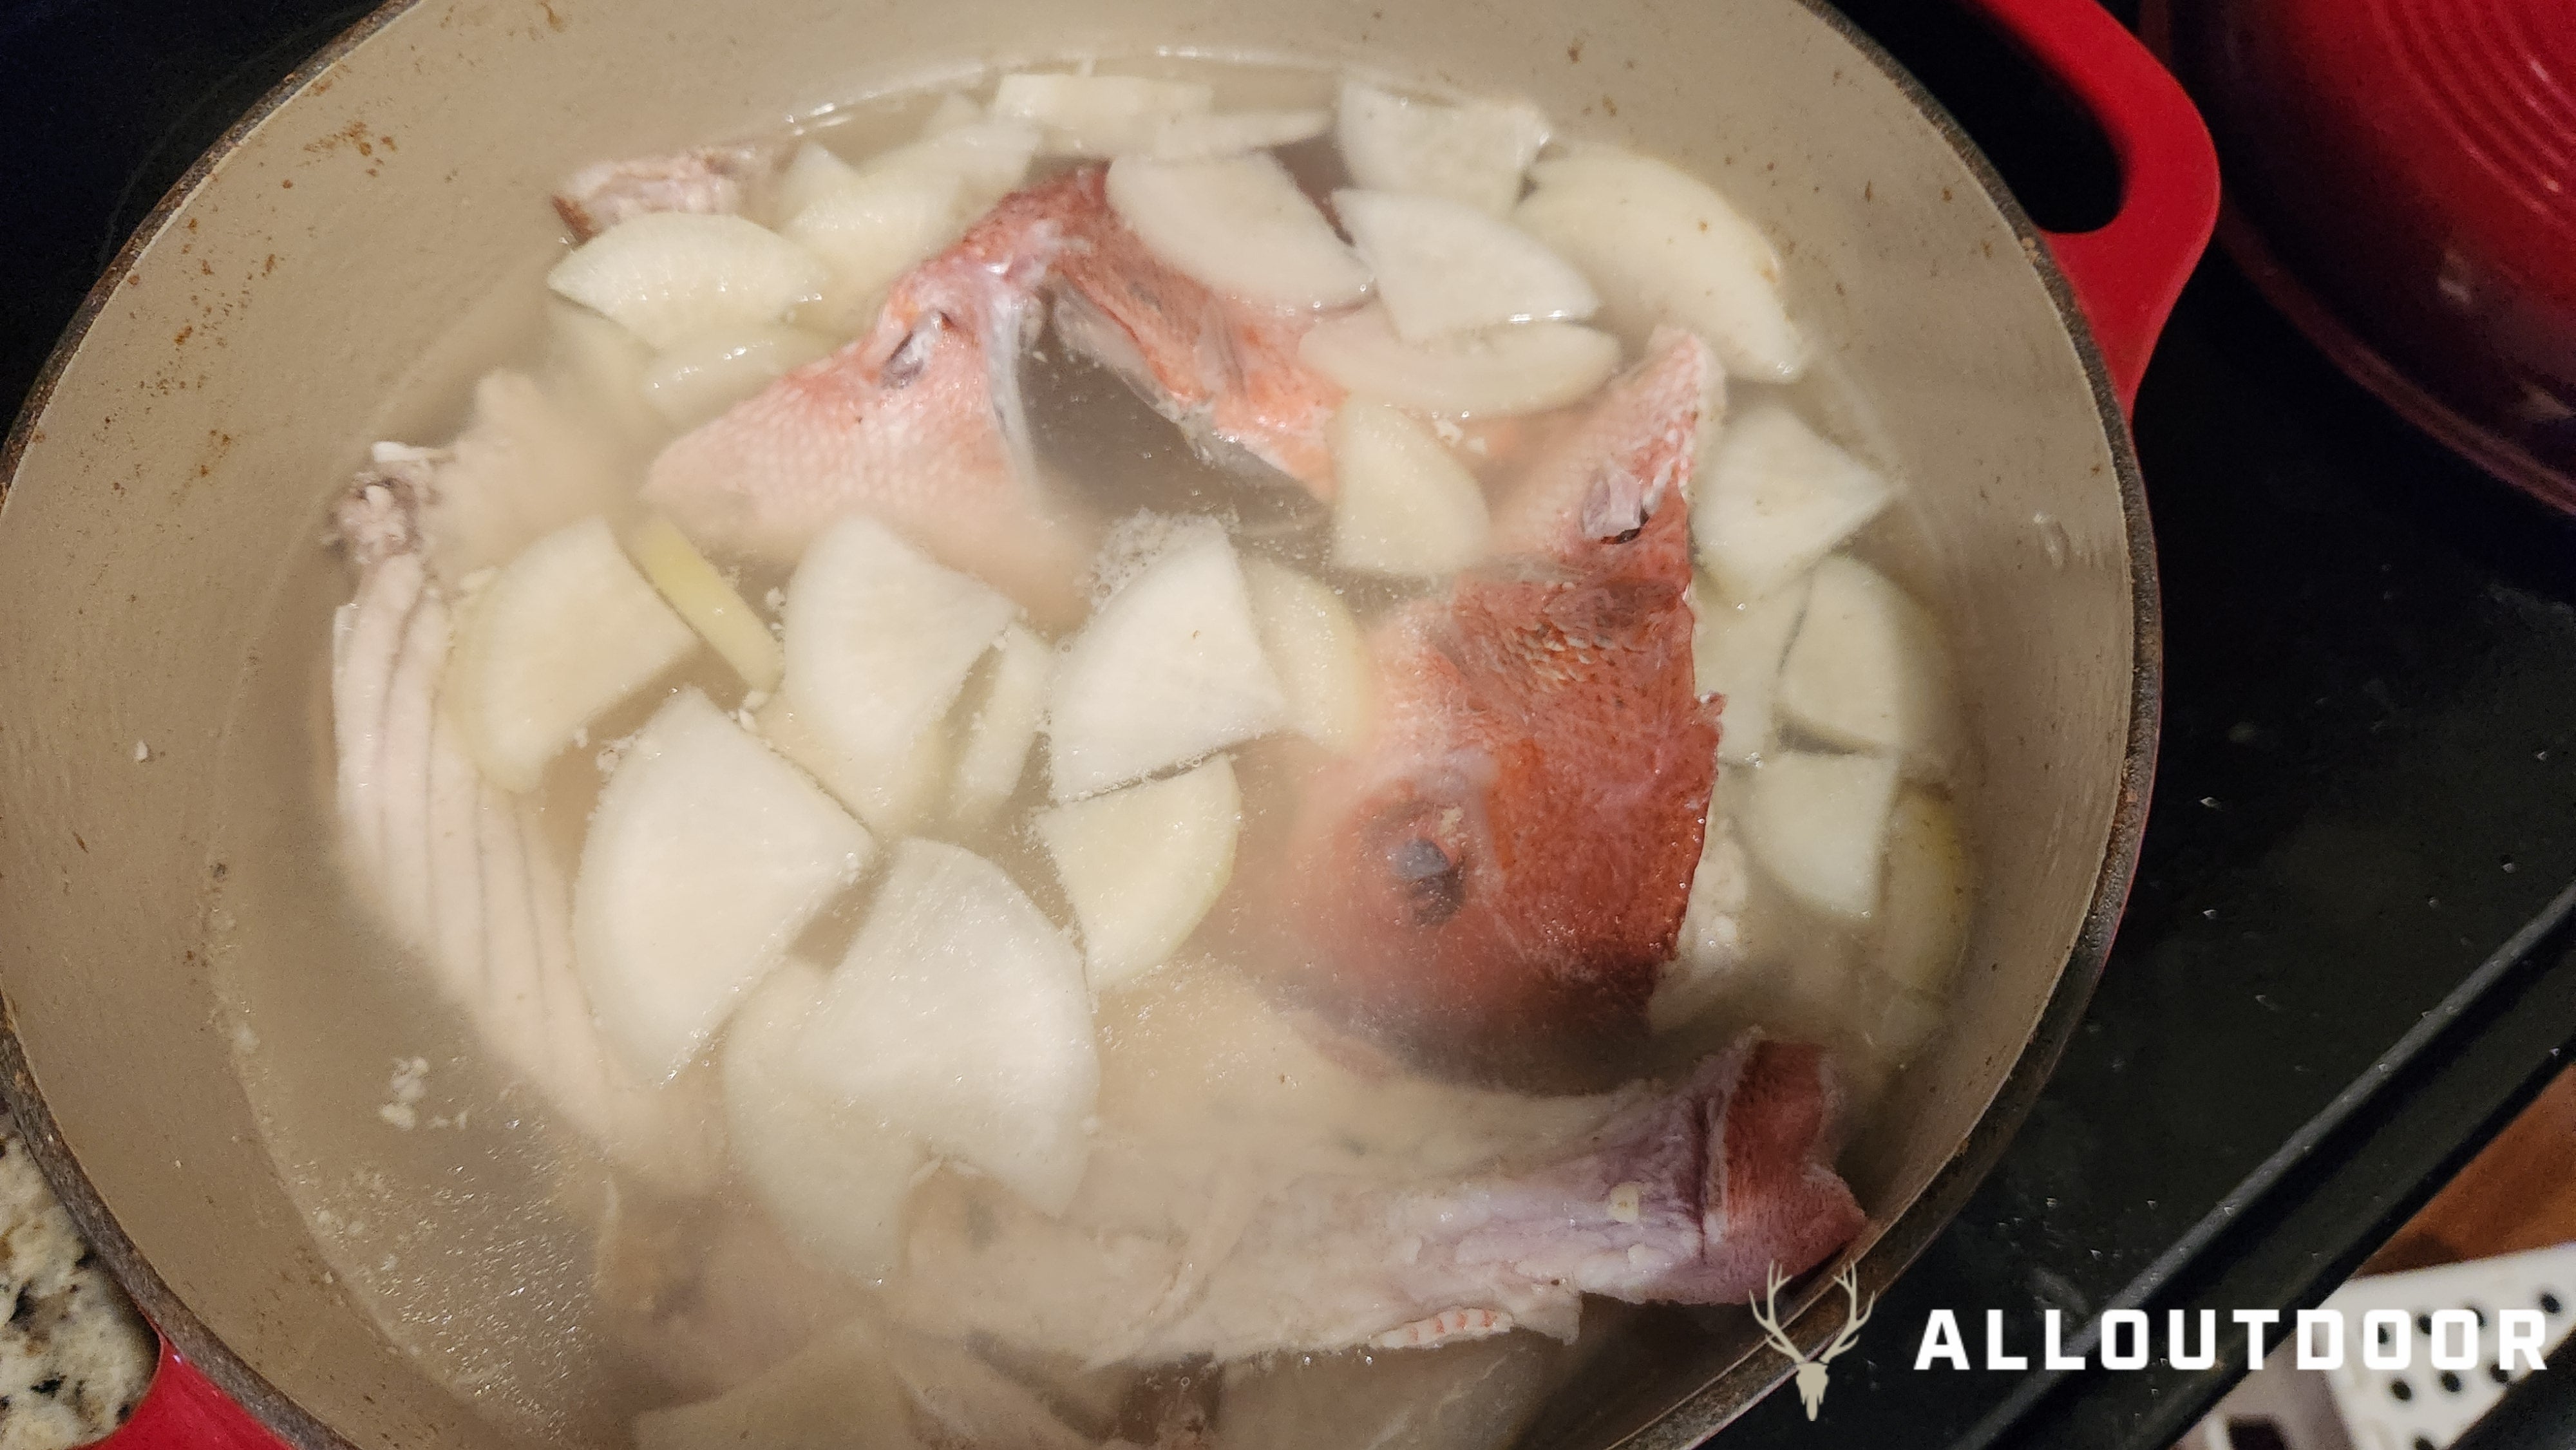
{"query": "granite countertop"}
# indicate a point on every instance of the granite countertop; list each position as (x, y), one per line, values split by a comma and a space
(74, 1356)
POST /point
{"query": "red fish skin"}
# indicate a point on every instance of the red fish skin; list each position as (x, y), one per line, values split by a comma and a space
(918, 421)
(1511, 851)
(914, 422)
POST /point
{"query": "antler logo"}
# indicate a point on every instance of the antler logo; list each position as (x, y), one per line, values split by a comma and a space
(1811, 1372)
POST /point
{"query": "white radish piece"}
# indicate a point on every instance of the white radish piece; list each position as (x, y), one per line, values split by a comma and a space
(1005, 726)
(879, 642)
(1867, 671)
(1929, 890)
(1169, 668)
(1524, 367)
(1818, 825)
(813, 172)
(955, 112)
(1204, 138)
(1239, 225)
(1097, 115)
(836, 1393)
(960, 1016)
(893, 797)
(1664, 248)
(595, 367)
(668, 276)
(1314, 646)
(711, 372)
(834, 1178)
(1401, 505)
(560, 634)
(1473, 154)
(875, 226)
(1444, 267)
(1736, 652)
(1775, 499)
(1710, 963)
(1903, 1022)
(990, 159)
(706, 857)
(711, 606)
(1143, 866)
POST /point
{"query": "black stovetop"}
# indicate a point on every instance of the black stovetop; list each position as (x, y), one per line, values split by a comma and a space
(2319, 1002)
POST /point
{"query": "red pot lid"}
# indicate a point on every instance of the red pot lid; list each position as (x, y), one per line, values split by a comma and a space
(2402, 179)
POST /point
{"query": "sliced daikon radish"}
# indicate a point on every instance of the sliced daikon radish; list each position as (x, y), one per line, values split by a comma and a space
(564, 631)
(837, 1393)
(996, 752)
(1169, 668)
(706, 857)
(1204, 138)
(811, 173)
(1736, 653)
(989, 159)
(960, 1016)
(593, 364)
(1710, 963)
(1818, 825)
(1143, 865)
(1663, 247)
(1239, 225)
(833, 1177)
(1401, 505)
(894, 797)
(1097, 115)
(1928, 895)
(1904, 1021)
(1474, 154)
(711, 372)
(1524, 367)
(669, 276)
(1867, 671)
(1444, 267)
(1315, 647)
(879, 642)
(878, 224)
(955, 112)
(1775, 499)
(711, 606)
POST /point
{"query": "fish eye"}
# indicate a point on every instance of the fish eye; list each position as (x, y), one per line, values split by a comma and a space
(912, 355)
(1429, 878)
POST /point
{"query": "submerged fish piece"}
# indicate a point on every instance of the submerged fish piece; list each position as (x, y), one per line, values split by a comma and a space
(1689, 1194)
(462, 871)
(710, 180)
(921, 422)
(1509, 855)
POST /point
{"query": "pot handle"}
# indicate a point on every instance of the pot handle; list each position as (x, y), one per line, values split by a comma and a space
(182, 1410)
(2127, 273)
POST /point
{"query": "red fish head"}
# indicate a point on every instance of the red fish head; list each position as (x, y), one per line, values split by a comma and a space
(1507, 859)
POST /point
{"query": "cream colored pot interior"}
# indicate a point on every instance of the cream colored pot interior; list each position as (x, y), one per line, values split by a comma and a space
(156, 572)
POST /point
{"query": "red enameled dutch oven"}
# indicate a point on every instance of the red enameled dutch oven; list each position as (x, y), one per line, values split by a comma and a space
(224, 377)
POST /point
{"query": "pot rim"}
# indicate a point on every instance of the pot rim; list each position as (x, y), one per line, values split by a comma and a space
(1706, 1410)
